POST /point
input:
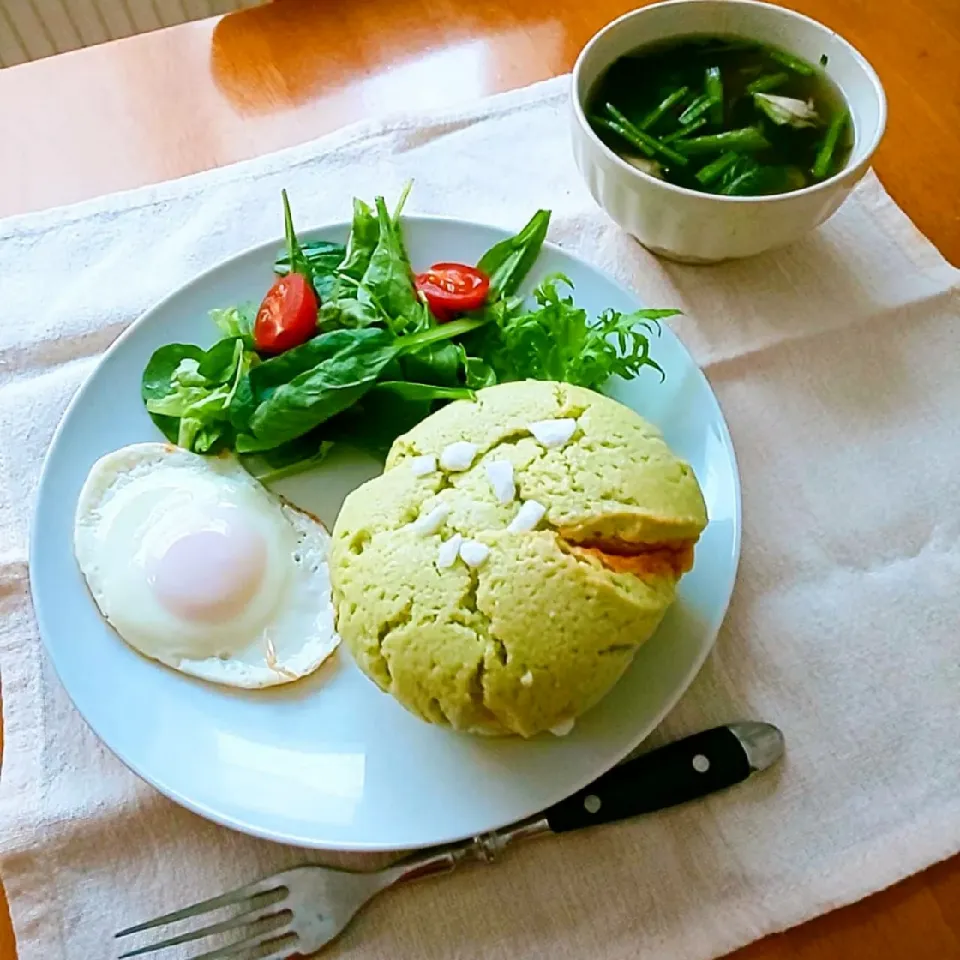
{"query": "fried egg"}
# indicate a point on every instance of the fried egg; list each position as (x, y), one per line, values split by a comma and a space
(196, 564)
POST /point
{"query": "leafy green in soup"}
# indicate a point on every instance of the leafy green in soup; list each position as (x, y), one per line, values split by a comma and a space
(723, 115)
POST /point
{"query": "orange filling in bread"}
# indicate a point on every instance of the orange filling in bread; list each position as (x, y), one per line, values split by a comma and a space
(641, 559)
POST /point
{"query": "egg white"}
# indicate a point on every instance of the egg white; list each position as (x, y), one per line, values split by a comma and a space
(149, 491)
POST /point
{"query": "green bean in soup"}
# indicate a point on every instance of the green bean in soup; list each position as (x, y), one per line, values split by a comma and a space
(723, 115)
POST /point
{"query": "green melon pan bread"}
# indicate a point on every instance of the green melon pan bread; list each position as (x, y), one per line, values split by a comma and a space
(549, 621)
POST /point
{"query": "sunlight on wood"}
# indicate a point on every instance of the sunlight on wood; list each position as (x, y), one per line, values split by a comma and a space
(263, 60)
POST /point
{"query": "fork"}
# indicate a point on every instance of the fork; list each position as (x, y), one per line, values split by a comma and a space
(299, 911)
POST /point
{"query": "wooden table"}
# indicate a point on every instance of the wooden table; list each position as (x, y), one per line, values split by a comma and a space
(197, 96)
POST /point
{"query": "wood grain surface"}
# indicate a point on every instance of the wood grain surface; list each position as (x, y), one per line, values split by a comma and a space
(201, 95)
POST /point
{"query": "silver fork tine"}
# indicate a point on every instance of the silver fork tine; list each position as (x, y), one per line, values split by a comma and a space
(242, 920)
(269, 885)
(285, 945)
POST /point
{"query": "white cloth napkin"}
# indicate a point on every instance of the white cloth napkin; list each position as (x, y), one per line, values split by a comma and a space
(835, 362)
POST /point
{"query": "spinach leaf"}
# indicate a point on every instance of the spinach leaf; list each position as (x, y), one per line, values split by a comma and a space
(364, 235)
(306, 402)
(507, 263)
(295, 256)
(324, 259)
(286, 366)
(438, 363)
(423, 391)
(447, 364)
(388, 280)
(288, 459)
(335, 383)
(236, 322)
(397, 213)
(293, 393)
(294, 451)
(279, 370)
(488, 344)
(413, 342)
(376, 421)
(242, 407)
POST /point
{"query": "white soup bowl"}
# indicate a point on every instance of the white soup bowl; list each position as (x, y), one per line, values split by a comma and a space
(682, 224)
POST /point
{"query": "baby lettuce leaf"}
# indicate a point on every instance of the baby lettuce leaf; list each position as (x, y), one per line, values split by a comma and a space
(323, 258)
(157, 381)
(190, 402)
(222, 361)
(507, 263)
(367, 310)
(236, 322)
(388, 280)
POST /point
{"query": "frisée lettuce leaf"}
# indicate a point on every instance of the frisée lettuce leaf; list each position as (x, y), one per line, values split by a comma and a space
(556, 340)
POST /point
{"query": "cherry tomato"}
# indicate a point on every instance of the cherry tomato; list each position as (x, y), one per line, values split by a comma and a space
(288, 315)
(452, 288)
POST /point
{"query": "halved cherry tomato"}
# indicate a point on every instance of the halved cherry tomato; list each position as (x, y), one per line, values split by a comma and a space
(452, 288)
(288, 315)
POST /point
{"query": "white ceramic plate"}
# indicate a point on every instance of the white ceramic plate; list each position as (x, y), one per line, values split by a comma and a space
(332, 762)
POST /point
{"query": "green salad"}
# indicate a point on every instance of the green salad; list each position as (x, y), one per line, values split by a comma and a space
(351, 345)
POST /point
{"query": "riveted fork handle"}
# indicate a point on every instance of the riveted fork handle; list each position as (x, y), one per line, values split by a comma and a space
(685, 770)
(681, 771)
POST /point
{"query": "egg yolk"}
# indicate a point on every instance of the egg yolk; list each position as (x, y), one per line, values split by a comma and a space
(208, 575)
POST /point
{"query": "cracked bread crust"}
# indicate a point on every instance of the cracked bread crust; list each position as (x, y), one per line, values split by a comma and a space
(568, 603)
